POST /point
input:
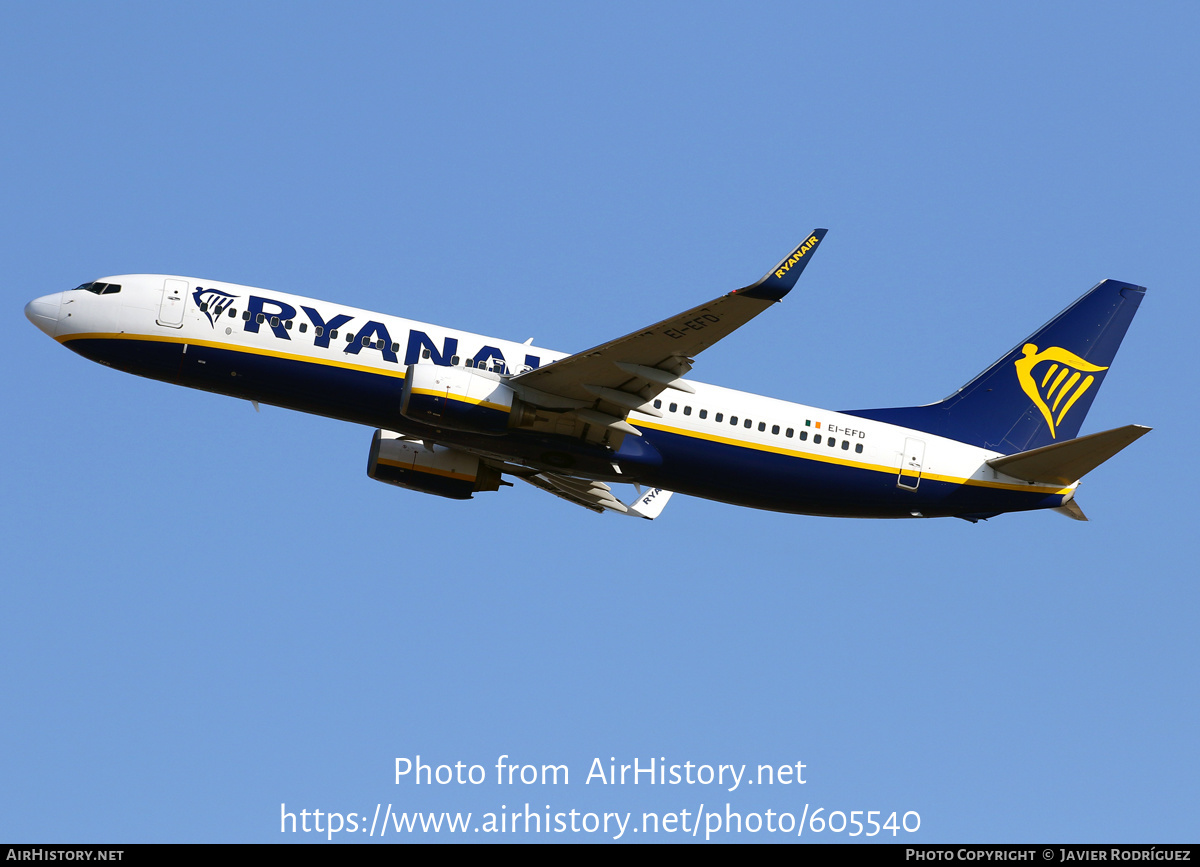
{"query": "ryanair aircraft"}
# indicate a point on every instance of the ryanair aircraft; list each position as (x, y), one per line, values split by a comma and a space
(457, 412)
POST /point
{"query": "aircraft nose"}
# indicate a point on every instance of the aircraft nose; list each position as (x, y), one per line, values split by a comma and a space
(43, 312)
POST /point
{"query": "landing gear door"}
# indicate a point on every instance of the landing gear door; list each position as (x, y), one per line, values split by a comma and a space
(170, 311)
(911, 463)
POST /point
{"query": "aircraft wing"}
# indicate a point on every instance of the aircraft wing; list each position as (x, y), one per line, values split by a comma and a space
(597, 496)
(604, 383)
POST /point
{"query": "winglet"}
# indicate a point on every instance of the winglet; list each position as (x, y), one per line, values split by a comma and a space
(779, 280)
(649, 503)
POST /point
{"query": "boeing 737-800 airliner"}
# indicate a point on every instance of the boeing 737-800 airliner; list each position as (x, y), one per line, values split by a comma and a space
(457, 412)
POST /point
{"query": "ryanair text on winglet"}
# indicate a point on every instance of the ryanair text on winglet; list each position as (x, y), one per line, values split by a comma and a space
(797, 255)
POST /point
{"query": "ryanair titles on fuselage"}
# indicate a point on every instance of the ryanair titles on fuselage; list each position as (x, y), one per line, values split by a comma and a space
(278, 316)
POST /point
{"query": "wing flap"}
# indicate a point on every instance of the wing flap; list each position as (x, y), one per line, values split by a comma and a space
(597, 496)
(593, 495)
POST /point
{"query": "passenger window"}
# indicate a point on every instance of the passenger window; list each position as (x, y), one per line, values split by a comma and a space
(687, 410)
(832, 442)
(203, 306)
(395, 347)
(719, 417)
(470, 361)
(288, 325)
(762, 426)
(658, 404)
(424, 353)
(245, 315)
(774, 428)
(318, 330)
(858, 448)
(303, 327)
(803, 435)
(703, 413)
(366, 342)
(349, 338)
(747, 424)
(817, 439)
(673, 407)
(232, 313)
(733, 419)
(845, 445)
(454, 360)
(274, 321)
(789, 432)
(260, 319)
(333, 334)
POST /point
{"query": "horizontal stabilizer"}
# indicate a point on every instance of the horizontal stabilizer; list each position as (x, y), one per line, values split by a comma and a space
(1067, 462)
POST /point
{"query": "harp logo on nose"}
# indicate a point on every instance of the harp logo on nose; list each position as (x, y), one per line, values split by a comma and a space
(1056, 387)
(213, 302)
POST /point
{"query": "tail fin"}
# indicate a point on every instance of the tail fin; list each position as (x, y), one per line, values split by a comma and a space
(1039, 393)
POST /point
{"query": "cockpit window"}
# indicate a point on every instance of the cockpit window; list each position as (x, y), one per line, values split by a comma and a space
(99, 288)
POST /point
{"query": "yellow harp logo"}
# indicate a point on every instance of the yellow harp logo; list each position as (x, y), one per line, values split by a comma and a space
(1062, 383)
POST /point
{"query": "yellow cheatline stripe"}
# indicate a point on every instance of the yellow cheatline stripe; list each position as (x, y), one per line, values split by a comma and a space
(249, 350)
(858, 465)
(433, 472)
(474, 401)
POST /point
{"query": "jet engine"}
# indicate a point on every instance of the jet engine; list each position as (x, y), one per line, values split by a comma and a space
(435, 469)
(459, 398)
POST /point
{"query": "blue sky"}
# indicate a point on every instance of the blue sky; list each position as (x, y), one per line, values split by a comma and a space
(210, 611)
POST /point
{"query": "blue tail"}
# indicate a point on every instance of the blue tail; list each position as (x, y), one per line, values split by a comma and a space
(1040, 392)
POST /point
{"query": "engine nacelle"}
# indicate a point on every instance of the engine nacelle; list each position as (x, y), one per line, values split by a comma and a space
(443, 471)
(459, 398)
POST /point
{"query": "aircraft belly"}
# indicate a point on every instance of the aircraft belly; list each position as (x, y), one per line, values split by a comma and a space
(144, 358)
(347, 394)
(350, 395)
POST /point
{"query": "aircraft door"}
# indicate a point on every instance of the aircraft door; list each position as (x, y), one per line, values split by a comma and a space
(911, 463)
(170, 311)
